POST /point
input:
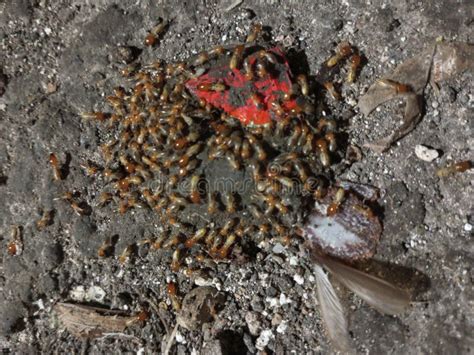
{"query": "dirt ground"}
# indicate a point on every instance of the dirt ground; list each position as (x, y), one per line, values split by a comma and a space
(59, 58)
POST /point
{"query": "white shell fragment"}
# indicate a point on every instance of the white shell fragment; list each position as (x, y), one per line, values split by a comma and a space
(424, 153)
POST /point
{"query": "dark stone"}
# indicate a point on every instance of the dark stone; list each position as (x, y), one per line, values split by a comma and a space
(271, 291)
(337, 25)
(125, 54)
(3, 82)
(249, 343)
(257, 304)
(395, 23)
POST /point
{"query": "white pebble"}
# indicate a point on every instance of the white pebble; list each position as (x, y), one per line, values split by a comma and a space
(264, 338)
(293, 261)
(180, 338)
(298, 279)
(468, 227)
(284, 299)
(278, 248)
(282, 327)
(425, 153)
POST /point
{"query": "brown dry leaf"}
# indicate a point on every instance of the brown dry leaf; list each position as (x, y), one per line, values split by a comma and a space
(91, 322)
(436, 63)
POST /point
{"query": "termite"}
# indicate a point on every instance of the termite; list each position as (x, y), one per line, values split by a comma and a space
(173, 295)
(303, 82)
(195, 195)
(152, 38)
(458, 167)
(343, 50)
(224, 251)
(230, 203)
(254, 32)
(105, 249)
(196, 238)
(355, 63)
(333, 208)
(398, 87)
(45, 220)
(126, 254)
(54, 162)
(236, 57)
(324, 157)
(15, 246)
(332, 90)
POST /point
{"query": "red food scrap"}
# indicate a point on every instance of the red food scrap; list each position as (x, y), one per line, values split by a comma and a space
(247, 100)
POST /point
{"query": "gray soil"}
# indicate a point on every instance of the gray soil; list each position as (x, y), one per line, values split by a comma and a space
(57, 60)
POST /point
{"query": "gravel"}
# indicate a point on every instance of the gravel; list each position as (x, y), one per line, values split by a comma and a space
(60, 58)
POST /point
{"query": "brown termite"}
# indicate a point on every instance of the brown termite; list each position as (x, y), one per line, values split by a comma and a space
(228, 226)
(256, 100)
(245, 151)
(90, 169)
(355, 60)
(343, 50)
(176, 260)
(236, 57)
(331, 139)
(302, 80)
(261, 69)
(452, 169)
(333, 208)
(212, 87)
(173, 295)
(323, 150)
(230, 203)
(98, 116)
(195, 195)
(233, 161)
(15, 245)
(329, 86)
(152, 38)
(248, 69)
(398, 87)
(225, 249)
(126, 254)
(79, 208)
(202, 58)
(196, 238)
(254, 32)
(54, 162)
(45, 220)
(106, 248)
(212, 204)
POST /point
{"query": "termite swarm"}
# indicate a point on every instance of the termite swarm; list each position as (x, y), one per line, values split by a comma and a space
(164, 131)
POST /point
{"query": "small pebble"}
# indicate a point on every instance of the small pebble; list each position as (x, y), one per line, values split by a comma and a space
(264, 339)
(425, 153)
(298, 279)
(253, 323)
(282, 327)
(468, 227)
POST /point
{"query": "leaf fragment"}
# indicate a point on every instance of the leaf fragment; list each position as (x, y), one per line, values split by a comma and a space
(436, 63)
(92, 322)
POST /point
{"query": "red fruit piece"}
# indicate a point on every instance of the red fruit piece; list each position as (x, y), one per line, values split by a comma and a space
(247, 100)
